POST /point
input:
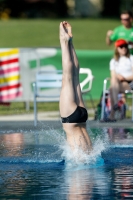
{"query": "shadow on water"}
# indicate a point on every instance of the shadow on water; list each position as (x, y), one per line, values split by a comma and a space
(32, 166)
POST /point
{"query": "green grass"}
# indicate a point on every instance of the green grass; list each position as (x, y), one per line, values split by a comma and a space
(19, 107)
(88, 33)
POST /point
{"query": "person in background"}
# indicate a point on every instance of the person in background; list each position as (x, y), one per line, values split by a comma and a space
(72, 109)
(124, 31)
(121, 68)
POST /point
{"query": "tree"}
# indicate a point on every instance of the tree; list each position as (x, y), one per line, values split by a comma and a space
(111, 8)
(37, 8)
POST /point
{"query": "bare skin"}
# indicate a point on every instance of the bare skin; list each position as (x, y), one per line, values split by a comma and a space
(118, 84)
(70, 96)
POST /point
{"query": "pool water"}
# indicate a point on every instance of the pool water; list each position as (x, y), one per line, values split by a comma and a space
(32, 166)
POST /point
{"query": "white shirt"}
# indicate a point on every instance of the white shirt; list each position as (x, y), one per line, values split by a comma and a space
(123, 66)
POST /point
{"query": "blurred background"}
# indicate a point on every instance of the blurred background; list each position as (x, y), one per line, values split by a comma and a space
(31, 24)
(62, 8)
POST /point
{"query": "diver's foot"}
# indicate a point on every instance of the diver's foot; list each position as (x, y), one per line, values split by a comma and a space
(68, 28)
(63, 33)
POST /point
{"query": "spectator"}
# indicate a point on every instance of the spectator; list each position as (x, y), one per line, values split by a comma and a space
(121, 67)
(124, 31)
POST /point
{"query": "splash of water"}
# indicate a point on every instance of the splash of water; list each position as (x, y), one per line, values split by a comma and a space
(77, 157)
(51, 146)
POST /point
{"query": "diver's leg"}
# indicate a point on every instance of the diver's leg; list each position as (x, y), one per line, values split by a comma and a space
(78, 94)
(67, 96)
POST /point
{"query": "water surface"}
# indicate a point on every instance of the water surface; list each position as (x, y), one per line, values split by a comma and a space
(32, 166)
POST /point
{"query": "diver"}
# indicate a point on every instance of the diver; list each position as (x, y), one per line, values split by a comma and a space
(72, 108)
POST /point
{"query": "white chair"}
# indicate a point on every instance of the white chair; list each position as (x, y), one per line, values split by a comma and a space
(48, 84)
(88, 83)
(106, 90)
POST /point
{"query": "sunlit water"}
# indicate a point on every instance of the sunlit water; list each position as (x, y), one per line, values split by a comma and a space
(40, 165)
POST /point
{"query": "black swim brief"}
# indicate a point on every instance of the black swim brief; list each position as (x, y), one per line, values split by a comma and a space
(80, 115)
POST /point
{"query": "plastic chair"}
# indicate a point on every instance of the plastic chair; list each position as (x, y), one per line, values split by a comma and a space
(106, 90)
(53, 80)
(87, 81)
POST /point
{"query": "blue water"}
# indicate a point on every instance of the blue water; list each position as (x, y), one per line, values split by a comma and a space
(32, 166)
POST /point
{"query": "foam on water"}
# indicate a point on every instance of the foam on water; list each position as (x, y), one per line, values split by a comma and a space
(80, 159)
